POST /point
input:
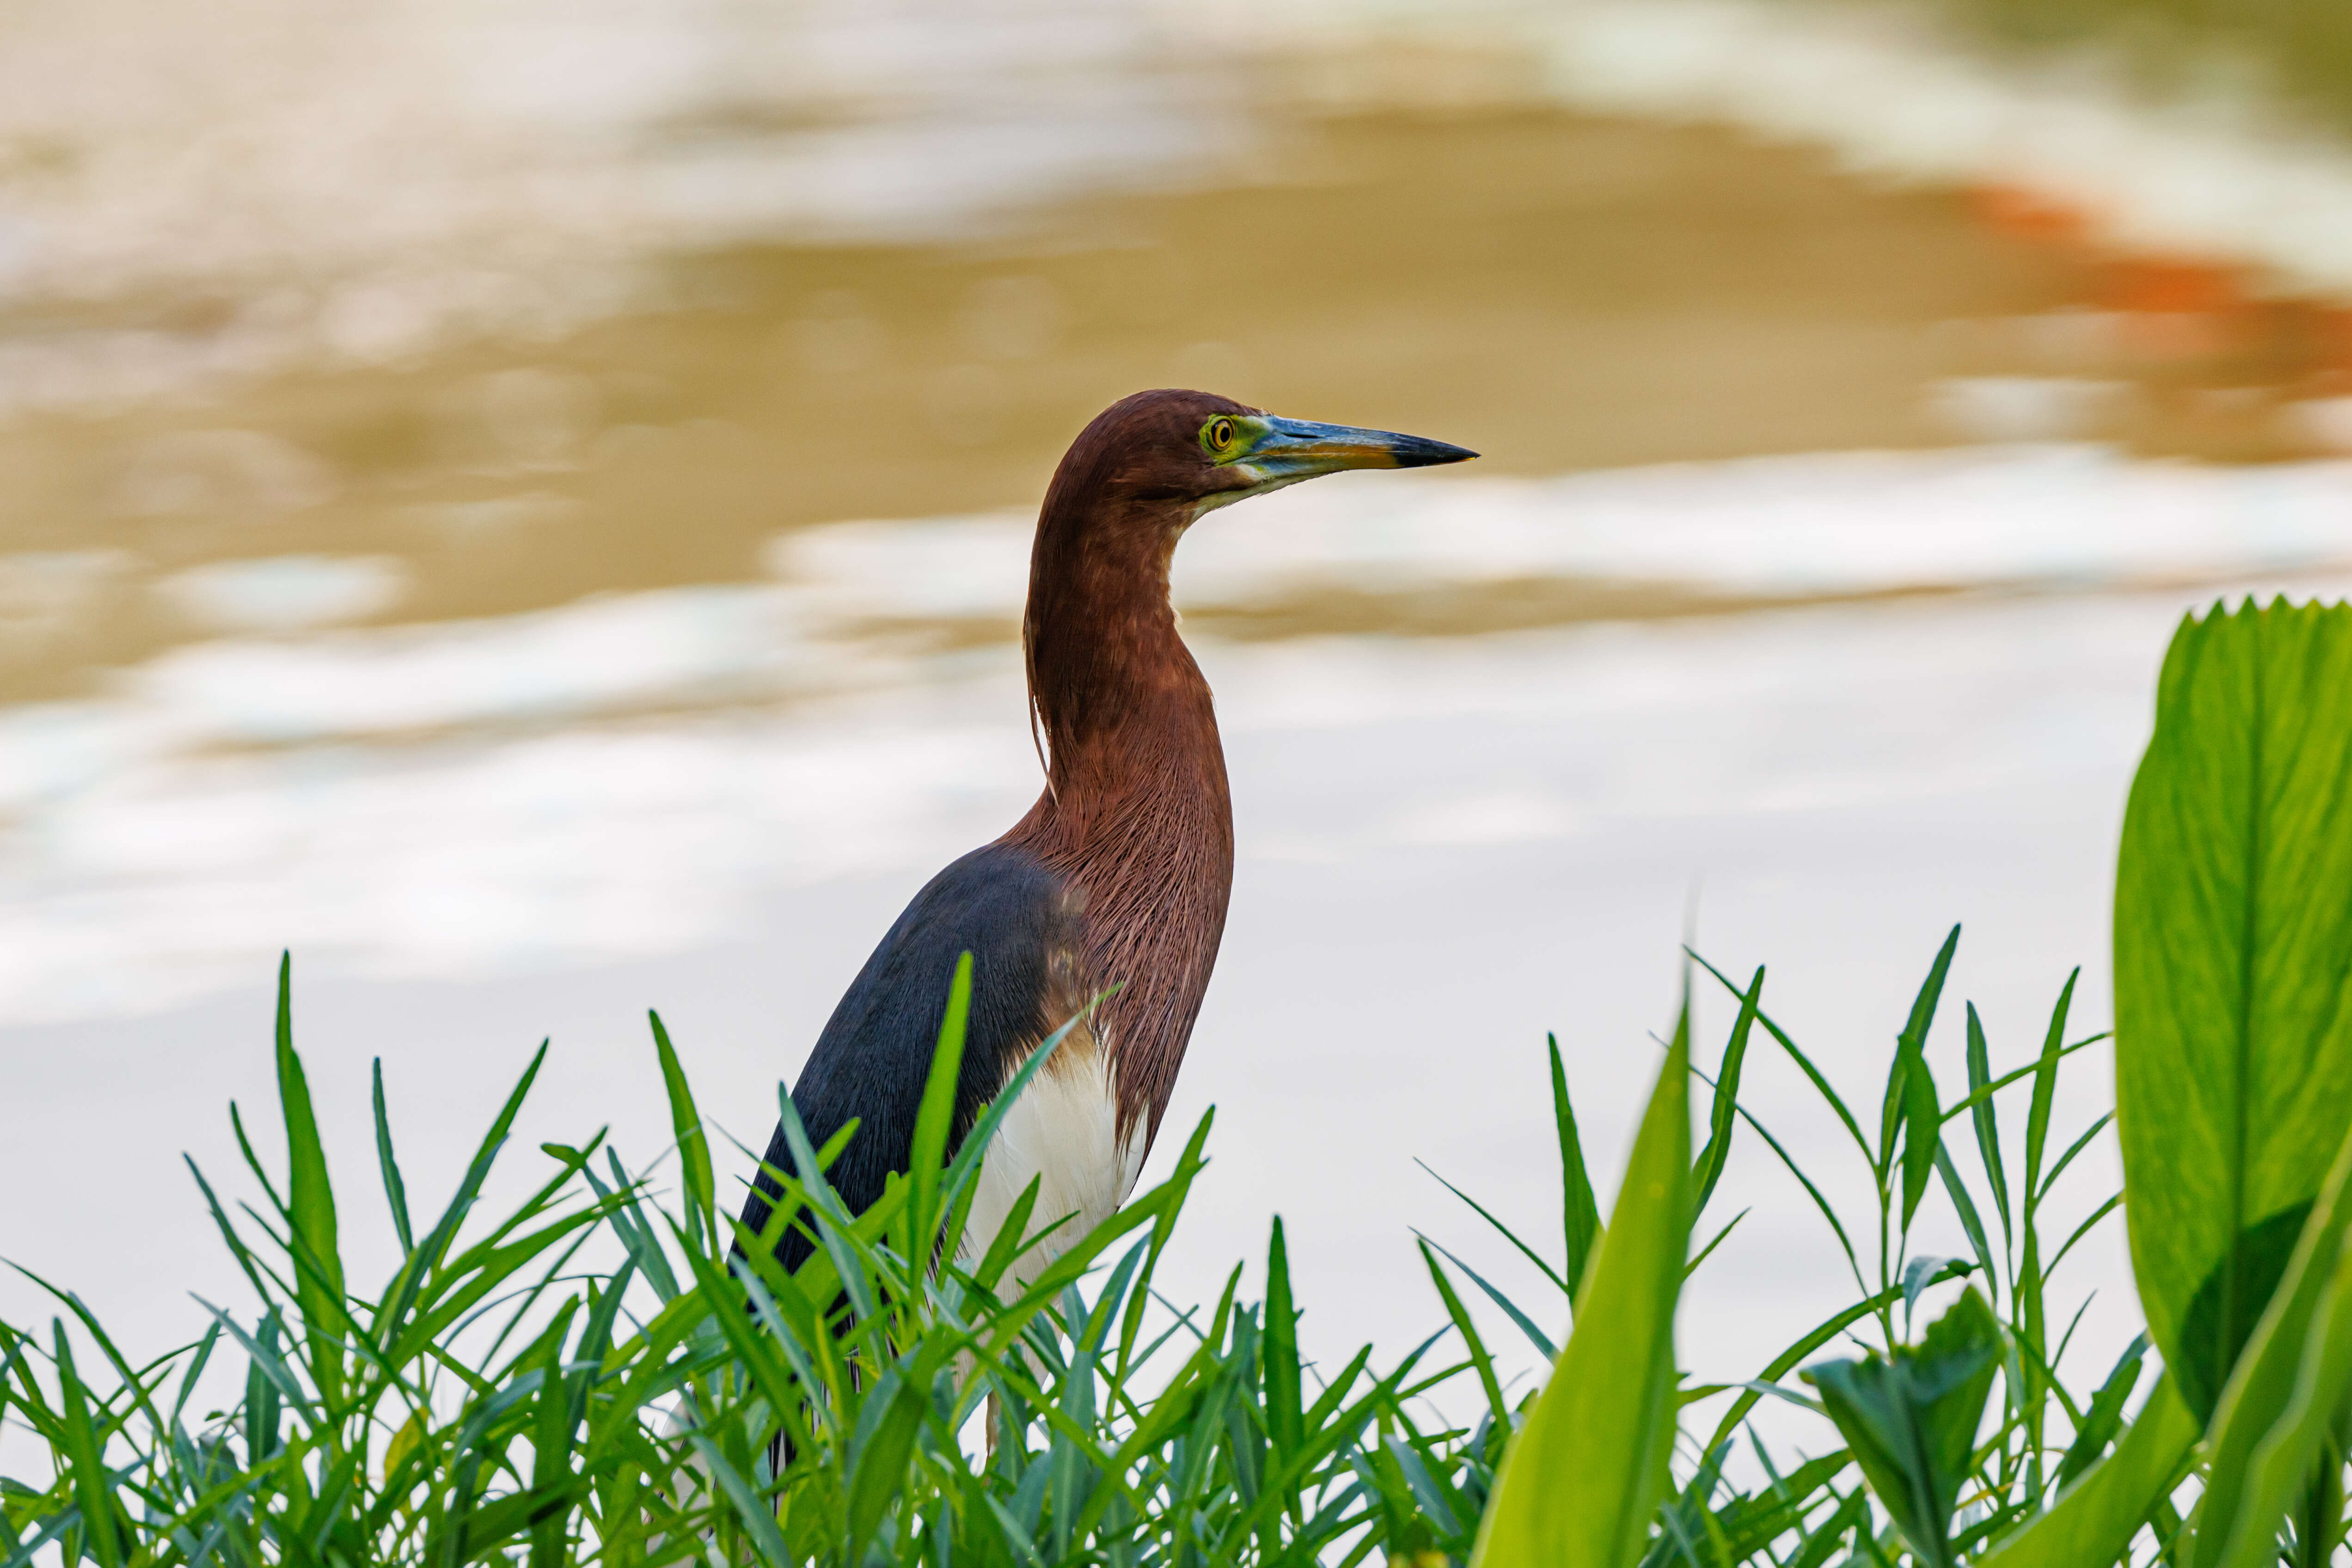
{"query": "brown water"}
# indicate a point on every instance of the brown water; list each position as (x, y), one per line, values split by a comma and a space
(1563, 292)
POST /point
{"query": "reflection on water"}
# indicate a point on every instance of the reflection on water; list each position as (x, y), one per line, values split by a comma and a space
(1599, 294)
(435, 317)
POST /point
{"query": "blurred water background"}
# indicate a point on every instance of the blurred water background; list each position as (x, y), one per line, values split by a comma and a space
(526, 505)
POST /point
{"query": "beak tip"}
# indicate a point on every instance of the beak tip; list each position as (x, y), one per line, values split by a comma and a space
(1418, 453)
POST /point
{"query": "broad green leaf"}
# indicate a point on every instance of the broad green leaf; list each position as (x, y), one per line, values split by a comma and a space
(2233, 1041)
(2288, 1357)
(1910, 1419)
(2305, 1444)
(310, 1203)
(2094, 1524)
(1583, 1480)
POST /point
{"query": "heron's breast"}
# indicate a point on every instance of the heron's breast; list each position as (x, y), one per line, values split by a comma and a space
(1064, 1135)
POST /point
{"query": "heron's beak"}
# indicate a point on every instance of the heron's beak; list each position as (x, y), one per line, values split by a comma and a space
(1293, 449)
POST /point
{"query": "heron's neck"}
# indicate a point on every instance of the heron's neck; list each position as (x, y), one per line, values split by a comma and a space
(1124, 711)
(1136, 817)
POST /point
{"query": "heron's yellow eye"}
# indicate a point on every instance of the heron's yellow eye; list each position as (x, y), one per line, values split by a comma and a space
(1217, 435)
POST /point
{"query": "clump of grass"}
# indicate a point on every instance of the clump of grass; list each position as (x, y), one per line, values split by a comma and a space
(506, 1395)
(513, 1394)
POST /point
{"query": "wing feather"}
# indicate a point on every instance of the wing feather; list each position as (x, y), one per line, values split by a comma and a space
(1023, 927)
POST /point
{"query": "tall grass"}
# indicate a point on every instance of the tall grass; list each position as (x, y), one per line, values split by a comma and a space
(607, 1372)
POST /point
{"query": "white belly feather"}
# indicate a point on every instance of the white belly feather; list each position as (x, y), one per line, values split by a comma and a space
(1063, 1132)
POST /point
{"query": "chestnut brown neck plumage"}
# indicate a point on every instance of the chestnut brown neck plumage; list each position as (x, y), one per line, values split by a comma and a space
(1136, 817)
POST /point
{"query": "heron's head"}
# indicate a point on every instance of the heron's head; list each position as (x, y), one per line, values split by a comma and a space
(1174, 455)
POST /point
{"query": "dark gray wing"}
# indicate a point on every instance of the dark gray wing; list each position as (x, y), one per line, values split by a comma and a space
(1013, 915)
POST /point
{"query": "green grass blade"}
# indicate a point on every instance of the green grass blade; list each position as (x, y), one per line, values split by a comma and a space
(2046, 1086)
(136, 1386)
(1804, 1063)
(1579, 1214)
(1011, 1238)
(1715, 1241)
(1476, 1346)
(1131, 1326)
(2084, 1229)
(759, 1521)
(2095, 1523)
(2079, 1144)
(1723, 1116)
(395, 1191)
(1279, 1353)
(2104, 1418)
(1581, 1481)
(935, 1117)
(93, 1489)
(408, 1287)
(1976, 1096)
(693, 1145)
(236, 1244)
(1988, 1126)
(879, 1467)
(1822, 1334)
(1821, 1203)
(253, 1161)
(309, 1204)
(1507, 1233)
(628, 1222)
(194, 1370)
(1965, 1206)
(1911, 1088)
(966, 1167)
(1536, 1336)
